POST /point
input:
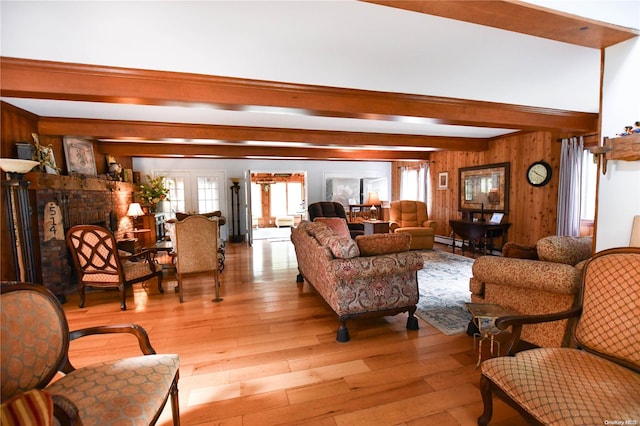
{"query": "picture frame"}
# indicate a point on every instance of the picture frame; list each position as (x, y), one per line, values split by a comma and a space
(484, 188)
(79, 156)
(443, 180)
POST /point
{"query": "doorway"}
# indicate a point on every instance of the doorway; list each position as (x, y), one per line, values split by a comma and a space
(277, 203)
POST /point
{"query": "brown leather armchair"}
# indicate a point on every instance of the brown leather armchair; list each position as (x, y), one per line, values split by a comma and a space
(334, 209)
(411, 217)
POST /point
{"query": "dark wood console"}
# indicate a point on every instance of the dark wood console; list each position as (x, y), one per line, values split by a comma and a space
(478, 235)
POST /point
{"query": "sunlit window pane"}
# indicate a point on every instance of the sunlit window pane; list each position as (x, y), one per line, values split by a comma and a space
(278, 194)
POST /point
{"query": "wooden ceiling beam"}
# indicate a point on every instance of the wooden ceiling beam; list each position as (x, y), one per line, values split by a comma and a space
(139, 130)
(149, 149)
(24, 78)
(521, 17)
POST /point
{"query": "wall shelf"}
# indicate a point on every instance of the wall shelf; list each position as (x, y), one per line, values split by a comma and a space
(626, 148)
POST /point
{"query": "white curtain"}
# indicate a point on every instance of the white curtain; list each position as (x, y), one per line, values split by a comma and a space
(414, 182)
(569, 188)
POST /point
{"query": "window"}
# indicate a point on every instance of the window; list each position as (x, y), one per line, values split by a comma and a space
(278, 194)
(588, 187)
(197, 191)
(413, 183)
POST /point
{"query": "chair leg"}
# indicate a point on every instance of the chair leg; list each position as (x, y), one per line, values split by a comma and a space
(217, 287)
(175, 407)
(181, 287)
(485, 391)
(160, 289)
(123, 297)
(82, 295)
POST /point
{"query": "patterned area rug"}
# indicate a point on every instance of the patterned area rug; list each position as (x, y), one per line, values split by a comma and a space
(444, 289)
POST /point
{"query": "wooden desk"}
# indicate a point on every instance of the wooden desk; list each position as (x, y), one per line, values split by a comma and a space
(375, 227)
(478, 234)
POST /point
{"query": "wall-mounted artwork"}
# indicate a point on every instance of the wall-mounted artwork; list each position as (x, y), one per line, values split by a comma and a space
(354, 190)
(79, 156)
(443, 180)
(484, 188)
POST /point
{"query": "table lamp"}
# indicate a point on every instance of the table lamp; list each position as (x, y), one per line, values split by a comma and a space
(373, 200)
(134, 211)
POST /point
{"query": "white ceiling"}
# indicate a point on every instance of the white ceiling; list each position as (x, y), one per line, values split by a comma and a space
(346, 43)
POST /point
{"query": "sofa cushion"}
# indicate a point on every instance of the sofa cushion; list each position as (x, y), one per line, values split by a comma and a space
(376, 244)
(562, 249)
(343, 247)
(337, 224)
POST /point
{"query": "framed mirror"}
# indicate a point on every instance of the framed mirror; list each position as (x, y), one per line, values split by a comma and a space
(484, 188)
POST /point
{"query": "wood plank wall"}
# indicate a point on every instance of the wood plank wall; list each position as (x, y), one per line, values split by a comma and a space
(532, 211)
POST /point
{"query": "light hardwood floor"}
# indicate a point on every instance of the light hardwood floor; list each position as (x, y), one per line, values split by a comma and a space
(267, 354)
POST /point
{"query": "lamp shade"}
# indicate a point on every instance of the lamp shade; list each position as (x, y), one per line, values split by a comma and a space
(373, 199)
(135, 210)
(14, 165)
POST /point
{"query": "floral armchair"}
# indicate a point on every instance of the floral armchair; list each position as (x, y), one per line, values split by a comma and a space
(533, 280)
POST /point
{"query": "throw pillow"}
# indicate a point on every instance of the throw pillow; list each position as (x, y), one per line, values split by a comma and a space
(376, 244)
(337, 224)
(559, 249)
(34, 407)
(343, 247)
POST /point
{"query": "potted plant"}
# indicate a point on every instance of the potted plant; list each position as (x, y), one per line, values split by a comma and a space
(153, 192)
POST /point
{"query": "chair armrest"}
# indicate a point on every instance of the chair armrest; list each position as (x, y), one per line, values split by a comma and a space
(139, 332)
(65, 411)
(429, 224)
(393, 226)
(355, 226)
(517, 321)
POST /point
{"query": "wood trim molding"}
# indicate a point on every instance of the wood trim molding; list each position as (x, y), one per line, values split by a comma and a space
(174, 150)
(523, 18)
(140, 130)
(26, 78)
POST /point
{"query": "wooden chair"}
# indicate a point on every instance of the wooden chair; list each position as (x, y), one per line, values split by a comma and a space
(99, 263)
(35, 348)
(594, 380)
(196, 248)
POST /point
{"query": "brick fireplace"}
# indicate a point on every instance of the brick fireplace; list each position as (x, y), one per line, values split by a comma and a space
(81, 200)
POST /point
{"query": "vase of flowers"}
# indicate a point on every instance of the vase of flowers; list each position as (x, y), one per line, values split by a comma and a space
(153, 192)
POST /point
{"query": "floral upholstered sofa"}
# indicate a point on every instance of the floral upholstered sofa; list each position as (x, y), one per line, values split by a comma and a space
(371, 275)
(539, 279)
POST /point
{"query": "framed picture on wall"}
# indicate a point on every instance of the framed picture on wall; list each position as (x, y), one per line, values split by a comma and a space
(79, 156)
(443, 180)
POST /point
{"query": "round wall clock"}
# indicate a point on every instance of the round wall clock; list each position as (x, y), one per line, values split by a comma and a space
(539, 173)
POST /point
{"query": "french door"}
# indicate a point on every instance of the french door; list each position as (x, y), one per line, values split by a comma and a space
(196, 191)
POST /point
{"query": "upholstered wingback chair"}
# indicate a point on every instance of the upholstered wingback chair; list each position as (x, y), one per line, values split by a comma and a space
(411, 217)
(334, 209)
(35, 348)
(196, 250)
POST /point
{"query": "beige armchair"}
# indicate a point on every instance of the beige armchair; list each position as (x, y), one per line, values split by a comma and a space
(196, 248)
(596, 379)
(99, 263)
(411, 217)
(35, 349)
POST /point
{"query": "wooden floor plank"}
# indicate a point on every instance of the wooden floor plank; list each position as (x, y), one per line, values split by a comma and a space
(267, 353)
